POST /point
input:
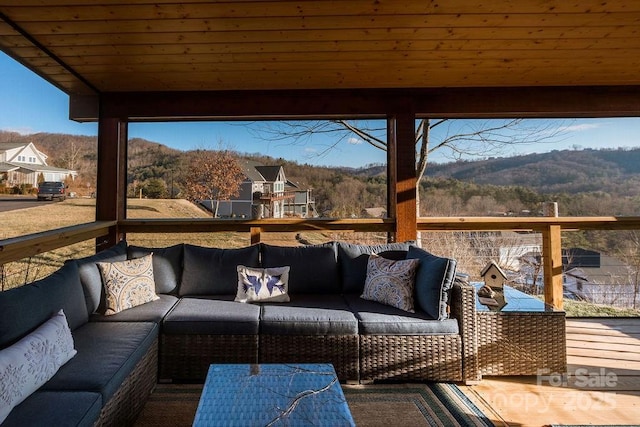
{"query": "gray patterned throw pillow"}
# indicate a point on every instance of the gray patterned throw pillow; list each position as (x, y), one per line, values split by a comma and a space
(391, 282)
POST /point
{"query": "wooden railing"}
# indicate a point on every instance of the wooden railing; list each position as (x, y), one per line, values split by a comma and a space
(551, 227)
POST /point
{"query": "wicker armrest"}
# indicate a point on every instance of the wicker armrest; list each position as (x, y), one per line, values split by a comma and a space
(462, 307)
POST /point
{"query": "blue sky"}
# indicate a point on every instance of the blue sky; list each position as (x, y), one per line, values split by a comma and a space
(29, 104)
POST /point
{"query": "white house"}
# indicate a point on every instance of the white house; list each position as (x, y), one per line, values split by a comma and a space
(266, 193)
(22, 163)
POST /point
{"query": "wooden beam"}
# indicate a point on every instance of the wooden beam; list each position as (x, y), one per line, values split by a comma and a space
(526, 102)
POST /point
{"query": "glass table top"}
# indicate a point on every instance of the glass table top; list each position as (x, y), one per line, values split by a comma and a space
(512, 300)
(272, 395)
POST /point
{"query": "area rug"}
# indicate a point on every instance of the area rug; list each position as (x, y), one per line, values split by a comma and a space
(431, 404)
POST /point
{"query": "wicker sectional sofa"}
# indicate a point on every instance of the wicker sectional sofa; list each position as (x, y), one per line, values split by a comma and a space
(196, 322)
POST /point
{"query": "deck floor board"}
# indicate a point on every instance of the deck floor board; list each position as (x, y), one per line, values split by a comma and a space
(602, 385)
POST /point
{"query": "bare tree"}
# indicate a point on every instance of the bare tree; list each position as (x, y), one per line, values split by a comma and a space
(213, 176)
(459, 138)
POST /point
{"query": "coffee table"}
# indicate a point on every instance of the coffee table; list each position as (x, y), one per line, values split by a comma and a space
(272, 395)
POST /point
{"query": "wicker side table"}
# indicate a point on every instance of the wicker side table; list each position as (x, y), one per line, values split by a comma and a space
(526, 337)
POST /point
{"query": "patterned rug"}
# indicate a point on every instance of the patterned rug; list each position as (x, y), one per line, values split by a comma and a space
(432, 404)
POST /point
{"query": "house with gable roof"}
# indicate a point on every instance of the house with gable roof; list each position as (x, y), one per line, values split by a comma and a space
(22, 163)
(266, 193)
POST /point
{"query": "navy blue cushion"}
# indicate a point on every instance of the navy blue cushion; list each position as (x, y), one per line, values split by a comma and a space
(313, 269)
(25, 308)
(107, 354)
(153, 311)
(213, 271)
(380, 319)
(212, 316)
(353, 259)
(313, 315)
(167, 265)
(434, 280)
(56, 408)
(90, 275)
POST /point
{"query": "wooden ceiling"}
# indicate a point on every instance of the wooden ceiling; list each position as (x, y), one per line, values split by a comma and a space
(85, 46)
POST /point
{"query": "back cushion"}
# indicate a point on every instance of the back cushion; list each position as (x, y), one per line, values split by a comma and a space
(434, 280)
(167, 265)
(353, 260)
(25, 308)
(313, 269)
(92, 280)
(213, 271)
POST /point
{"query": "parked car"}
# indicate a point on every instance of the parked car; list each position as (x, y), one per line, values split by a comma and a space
(49, 190)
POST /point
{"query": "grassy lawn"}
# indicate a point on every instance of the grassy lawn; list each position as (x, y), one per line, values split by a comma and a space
(79, 211)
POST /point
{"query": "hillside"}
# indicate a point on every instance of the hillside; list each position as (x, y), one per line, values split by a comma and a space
(579, 179)
(610, 171)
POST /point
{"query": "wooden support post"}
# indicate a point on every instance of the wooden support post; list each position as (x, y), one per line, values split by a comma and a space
(255, 235)
(402, 165)
(552, 258)
(392, 173)
(111, 182)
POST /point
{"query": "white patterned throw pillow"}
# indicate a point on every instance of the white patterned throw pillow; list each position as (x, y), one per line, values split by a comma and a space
(263, 284)
(128, 283)
(26, 365)
(391, 282)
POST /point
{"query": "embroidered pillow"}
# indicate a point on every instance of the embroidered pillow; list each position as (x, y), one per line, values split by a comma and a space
(26, 365)
(391, 282)
(128, 283)
(263, 284)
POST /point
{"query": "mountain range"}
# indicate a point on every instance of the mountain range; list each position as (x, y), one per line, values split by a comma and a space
(613, 171)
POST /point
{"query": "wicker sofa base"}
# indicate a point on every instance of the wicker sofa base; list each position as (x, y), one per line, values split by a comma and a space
(126, 404)
(186, 358)
(339, 350)
(410, 358)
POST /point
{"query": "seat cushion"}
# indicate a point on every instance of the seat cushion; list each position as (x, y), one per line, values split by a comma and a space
(90, 275)
(218, 315)
(434, 280)
(379, 319)
(309, 315)
(25, 308)
(313, 269)
(153, 311)
(213, 271)
(57, 408)
(167, 265)
(353, 259)
(107, 354)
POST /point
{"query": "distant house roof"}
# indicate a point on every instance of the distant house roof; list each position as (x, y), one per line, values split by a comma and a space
(270, 173)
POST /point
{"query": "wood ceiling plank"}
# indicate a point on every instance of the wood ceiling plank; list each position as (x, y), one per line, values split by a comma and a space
(567, 22)
(54, 40)
(383, 77)
(361, 57)
(390, 65)
(449, 6)
(499, 45)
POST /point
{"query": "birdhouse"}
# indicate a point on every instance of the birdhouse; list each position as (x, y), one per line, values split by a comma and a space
(493, 276)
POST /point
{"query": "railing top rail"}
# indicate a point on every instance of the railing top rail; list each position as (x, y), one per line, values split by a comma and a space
(527, 223)
(16, 248)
